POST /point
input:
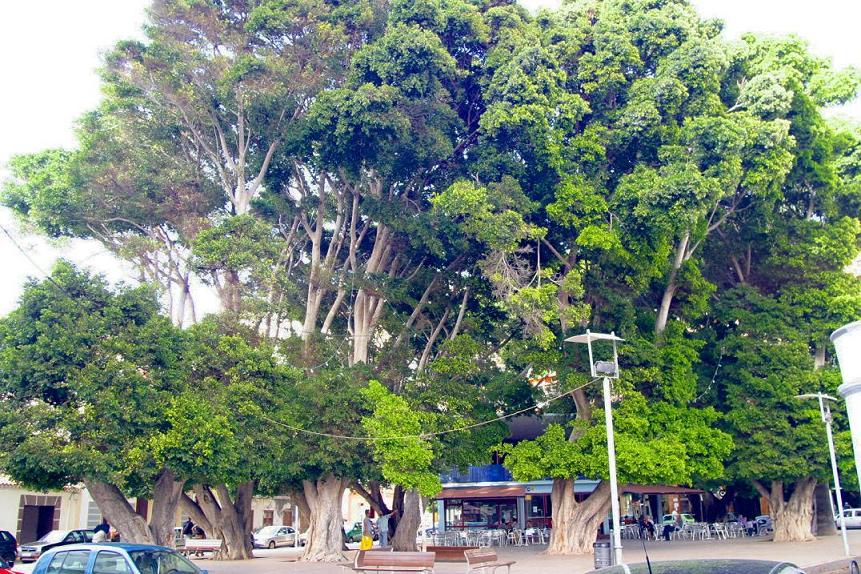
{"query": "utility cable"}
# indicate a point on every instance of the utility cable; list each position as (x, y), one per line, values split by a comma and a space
(32, 262)
(427, 435)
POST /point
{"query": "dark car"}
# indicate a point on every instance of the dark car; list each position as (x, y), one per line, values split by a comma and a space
(707, 566)
(8, 547)
(114, 558)
(32, 550)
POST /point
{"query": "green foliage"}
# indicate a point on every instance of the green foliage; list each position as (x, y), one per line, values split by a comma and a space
(403, 461)
(86, 376)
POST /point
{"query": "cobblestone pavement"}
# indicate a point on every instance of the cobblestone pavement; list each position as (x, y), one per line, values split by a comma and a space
(532, 560)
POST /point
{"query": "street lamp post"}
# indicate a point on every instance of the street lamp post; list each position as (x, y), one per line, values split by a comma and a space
(607, 370)
(847, 343)
(825, 412)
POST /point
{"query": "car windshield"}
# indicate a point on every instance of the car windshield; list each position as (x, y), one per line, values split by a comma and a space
(267, 530)
(161, 562)
(53, 536)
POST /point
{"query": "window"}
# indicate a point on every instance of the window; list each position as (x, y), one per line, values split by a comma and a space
(484, 513)
(160, 562)
(268, 515)
(110, 563)
(75, 562)
(56, 563)
(538, 511)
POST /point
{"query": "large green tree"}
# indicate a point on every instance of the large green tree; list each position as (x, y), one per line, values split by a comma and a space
(87, 377)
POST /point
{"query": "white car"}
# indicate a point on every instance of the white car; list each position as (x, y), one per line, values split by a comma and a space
(272, 536)
(852, 517)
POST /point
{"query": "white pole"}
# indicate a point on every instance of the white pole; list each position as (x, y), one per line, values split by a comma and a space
(825, 411)
(847, 343)
(614, 488)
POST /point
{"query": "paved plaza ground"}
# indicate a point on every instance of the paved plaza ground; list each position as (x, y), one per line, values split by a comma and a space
(531, 560)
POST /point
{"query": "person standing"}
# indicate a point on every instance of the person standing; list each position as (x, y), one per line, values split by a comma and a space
(367, 532)
(383, 528)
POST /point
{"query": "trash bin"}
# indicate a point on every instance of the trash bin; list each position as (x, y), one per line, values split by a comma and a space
(603, 554)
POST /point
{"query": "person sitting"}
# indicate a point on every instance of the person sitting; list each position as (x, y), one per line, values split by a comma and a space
(650, 526)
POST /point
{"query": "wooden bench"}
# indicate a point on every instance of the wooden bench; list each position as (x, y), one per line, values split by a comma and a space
(450, 553)
(390, 561)
(484, 559)
(193, 545)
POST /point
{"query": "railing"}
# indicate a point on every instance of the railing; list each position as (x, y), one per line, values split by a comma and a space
(486, 473)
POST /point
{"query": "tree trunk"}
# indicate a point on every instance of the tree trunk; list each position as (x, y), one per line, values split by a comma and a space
(298, 498)
(194, 511)
(373, 496)
(792, 519)
(397, 510)
(227, 520)
(411, 519)
(326, 529)
(165, 501)
(119, 513)
(824, 511)
(671, 287)
(575, 524)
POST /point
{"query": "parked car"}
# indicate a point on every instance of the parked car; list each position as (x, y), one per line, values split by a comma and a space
(852, 517)
(706, 566)
(31, 551)
(6, 567)
(686, 518)
(355, 533)
(114, 557)
(272, 536)
(8, 547)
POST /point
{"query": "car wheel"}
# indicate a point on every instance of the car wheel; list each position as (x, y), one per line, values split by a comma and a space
(271, 544)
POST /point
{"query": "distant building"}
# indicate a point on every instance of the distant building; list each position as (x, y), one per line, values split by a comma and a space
(29, 514)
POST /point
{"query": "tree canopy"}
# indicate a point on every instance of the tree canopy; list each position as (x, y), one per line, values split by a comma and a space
(404, 208)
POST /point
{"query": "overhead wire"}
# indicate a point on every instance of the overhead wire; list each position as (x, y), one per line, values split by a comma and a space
(427, 435)
(32, 262)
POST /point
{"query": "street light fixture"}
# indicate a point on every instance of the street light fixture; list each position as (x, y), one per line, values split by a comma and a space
(825, 412)
(607, 370)
(847, 343)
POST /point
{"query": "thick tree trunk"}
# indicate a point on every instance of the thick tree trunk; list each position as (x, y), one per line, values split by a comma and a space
(119, 513)
(575, 524)
(194, 511)
(411, 519)
(227, 520)
(824, 511)
(326, 530)
(165, 501)
(792, 519)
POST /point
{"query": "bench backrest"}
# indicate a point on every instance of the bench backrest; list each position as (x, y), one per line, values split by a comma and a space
(202, 543)
(409, 559)
(480, 556)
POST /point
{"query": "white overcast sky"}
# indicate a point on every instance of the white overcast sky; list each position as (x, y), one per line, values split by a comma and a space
(50, 50)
